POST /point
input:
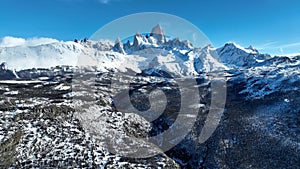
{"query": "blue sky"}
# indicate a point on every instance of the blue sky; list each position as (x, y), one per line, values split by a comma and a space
(271, 26)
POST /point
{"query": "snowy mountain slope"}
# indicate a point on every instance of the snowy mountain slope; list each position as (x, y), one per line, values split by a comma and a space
(278, 74)
(48, 55)
(42, 56)
(232, 54)
(205, 60)
(150, 52)
(146, 52)
(262, 74)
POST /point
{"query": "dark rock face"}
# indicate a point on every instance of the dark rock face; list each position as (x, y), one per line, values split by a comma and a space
(137, 42)
(127, 45)
(6, 74)
(119, 47)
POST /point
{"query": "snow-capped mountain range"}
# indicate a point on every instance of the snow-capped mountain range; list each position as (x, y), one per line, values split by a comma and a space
(153, 54)
(145, 52)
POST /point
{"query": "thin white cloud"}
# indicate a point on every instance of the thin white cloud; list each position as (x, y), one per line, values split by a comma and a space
(290, 45)
(290, 54)
(268, 45)
(286, 47)
(280, 49)
(9, 41)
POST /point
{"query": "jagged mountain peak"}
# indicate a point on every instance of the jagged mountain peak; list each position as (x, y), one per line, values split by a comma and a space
(231, 55)
(157, 29)
(118, 40)
(251, 47)
(156, 39)
(177, 43)
(119, 47)
(234, 46)
(158, 33)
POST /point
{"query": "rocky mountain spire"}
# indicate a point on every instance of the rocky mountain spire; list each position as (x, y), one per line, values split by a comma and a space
(127, 45)
(158, 33)
(252, 48)
(136, 40)
(118, 47)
